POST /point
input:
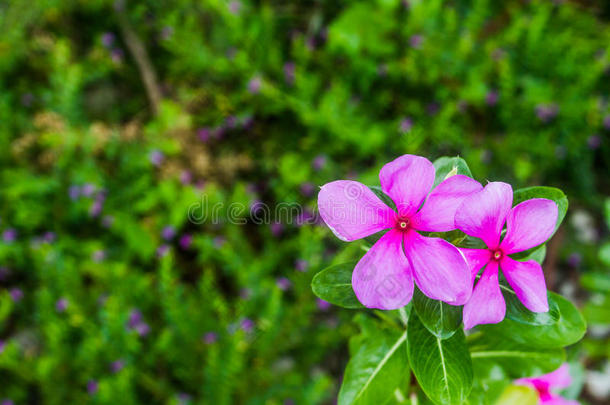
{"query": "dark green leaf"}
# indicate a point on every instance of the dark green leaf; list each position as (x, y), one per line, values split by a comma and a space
(441, 319)
(550, 193)
(383, 196)
(446, 165)
(377, 369)
(569, 328)
(334, 284)
(516, 311)
(443, 368)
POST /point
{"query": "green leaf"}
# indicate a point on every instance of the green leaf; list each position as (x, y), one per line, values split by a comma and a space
(450, 165)
(377, 369)
(443, 368)
(569, 328)
(334, 284)
(518, 395)
(383, 196)
(516, 359)
(550, 193)
(441, 319)
(537, 254)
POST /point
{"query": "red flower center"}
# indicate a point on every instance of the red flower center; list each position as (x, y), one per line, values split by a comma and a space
(403, 223)
(497, 254)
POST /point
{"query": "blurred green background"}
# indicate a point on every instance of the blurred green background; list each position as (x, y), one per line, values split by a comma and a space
(119, 121)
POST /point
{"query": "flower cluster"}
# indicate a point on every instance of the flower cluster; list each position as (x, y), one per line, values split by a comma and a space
(405, 255)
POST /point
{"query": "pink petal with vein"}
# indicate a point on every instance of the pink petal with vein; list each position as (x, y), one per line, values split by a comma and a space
(382, 278)
(487, 303)
(438, 212)
(529, 224)
(527, 279)
(439, 269)
(352, 211)
(407, 180)
(476, 259)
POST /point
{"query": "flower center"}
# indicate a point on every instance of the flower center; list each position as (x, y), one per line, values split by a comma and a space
(497, 254)
(403, 223)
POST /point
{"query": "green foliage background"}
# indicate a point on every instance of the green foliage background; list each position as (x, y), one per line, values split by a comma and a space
(263, 101)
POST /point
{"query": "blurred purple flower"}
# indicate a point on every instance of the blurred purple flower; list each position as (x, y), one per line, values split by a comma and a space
(88, 189)
(276, 229)
(96, 208)
(405, 4)
(16, 294)
(156, 157)
(491, 98)
(245, 293)
(210, 338)
(107, 39)
(7, 401)
(289, 72)
(594, 141)
(219, 241)
(168, 232)
(61, 305)
(49, 237)
(9, 235)
(301, 264)
(254, 85)
(319, 162)
(416, 41)
(575, 259)
(218, 132)
(183, 398)
(307, 217)
(2, 345)
(167, 32)
(231, 121)
(107, 221)
(98, 256)
(310, 43)
(142, 329)
(74, 192)
(283, 283)
(247, 325)
(607, 122)
(117, 55)
(117, 365)
(546, 112)
(185, 241)
(203, 134)
(162, 251)
(498, 54)
(92, 387)
(405, 125)
(433, 108)
(135, 318)
(4, 272)
(289, 401)
(307, 189)
(235, 7)
(322, 305)
(247, 122)
(186, 177)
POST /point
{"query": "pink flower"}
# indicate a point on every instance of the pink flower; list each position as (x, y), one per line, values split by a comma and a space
(559, 378)
(384, 277)
(528, 224)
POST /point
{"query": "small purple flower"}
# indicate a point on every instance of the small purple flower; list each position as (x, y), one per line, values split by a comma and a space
(203, 134)
(231, 122)
(491, 98)
(322, 305)
(405, 4)
(405, 125)
(96, 208)
(4, 272)
(307, 189)
(210, 338)
(117, 55)
(7, 401)
(16, 294)
(574, 260)
(135, 318)
(183, 398)
(218, 132)
(433, 108)
(289, 72)
(107, 221)
(168, 232)
(9, 235)
(247, 122)
(310, 43)
(219, 241)
(107, 39)
(98, 256)
(167, 32)
(301, 265)
(74, 192)
(254, 85)
(2, 345)
(156, 157)
(245, 293)
(235, 7)
(117, 365)
(162, 251)
(142, 329)
(276, 229)
(594, 141)
(607, 122)
(186, 177)
(283, 283)
(546, 112)
(319, 162)
(92, 387)
(49, 237)
(247, 325)
(185, 241)
(305, 218)
(416, 41)
(61, 305)
(88, 189)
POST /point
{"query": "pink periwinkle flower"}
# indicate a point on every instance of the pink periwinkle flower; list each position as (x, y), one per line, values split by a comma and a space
(384, 277)
(557, 379)
(528, 224)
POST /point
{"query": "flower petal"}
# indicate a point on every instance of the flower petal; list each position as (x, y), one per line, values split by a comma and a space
(529, 224)
(438, 212)
(527, 279)
(352, 211)
(439, 269)
(482, 214)
(476, 259)
(487, 303)
(407, 180)
(382, 278)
